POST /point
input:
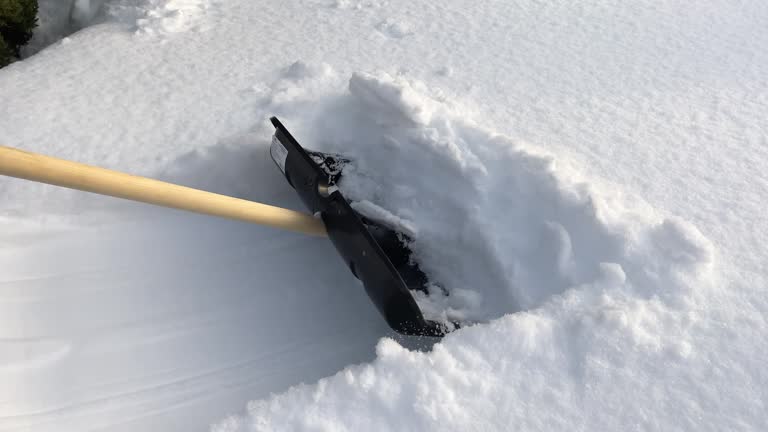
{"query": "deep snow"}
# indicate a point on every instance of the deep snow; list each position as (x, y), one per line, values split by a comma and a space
(587, 180)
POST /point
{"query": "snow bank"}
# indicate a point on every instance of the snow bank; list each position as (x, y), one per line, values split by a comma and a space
(502, 229)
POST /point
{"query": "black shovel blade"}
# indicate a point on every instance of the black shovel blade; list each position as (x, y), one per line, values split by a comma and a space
(350, 235)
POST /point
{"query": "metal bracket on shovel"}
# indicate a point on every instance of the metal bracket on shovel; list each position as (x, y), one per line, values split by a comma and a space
(365, 257)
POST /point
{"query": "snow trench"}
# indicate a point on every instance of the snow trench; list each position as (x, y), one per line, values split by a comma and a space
(497, 224)
(561, 266)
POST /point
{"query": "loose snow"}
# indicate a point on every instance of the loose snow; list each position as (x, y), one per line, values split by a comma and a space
(585, 180)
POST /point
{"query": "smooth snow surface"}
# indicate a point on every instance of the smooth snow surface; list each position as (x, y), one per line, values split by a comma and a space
(586, 180)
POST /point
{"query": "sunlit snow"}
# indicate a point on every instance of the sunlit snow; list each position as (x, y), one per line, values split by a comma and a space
(587, 181)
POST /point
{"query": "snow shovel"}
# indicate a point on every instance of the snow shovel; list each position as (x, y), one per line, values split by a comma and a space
(376, 255)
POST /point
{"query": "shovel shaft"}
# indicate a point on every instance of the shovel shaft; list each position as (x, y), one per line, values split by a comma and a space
(73, 175)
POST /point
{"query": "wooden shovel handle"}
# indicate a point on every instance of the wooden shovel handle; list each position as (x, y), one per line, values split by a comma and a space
(73, 175)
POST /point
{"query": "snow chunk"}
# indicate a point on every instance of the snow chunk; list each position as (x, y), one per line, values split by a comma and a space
(445, 71)
(353, 4)
(384, 217)
(394, 29)
(393, 99)
(300, 70)
(159, 17)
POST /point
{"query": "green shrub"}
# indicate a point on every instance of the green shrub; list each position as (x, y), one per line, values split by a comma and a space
(5, 54)
(17, 20)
